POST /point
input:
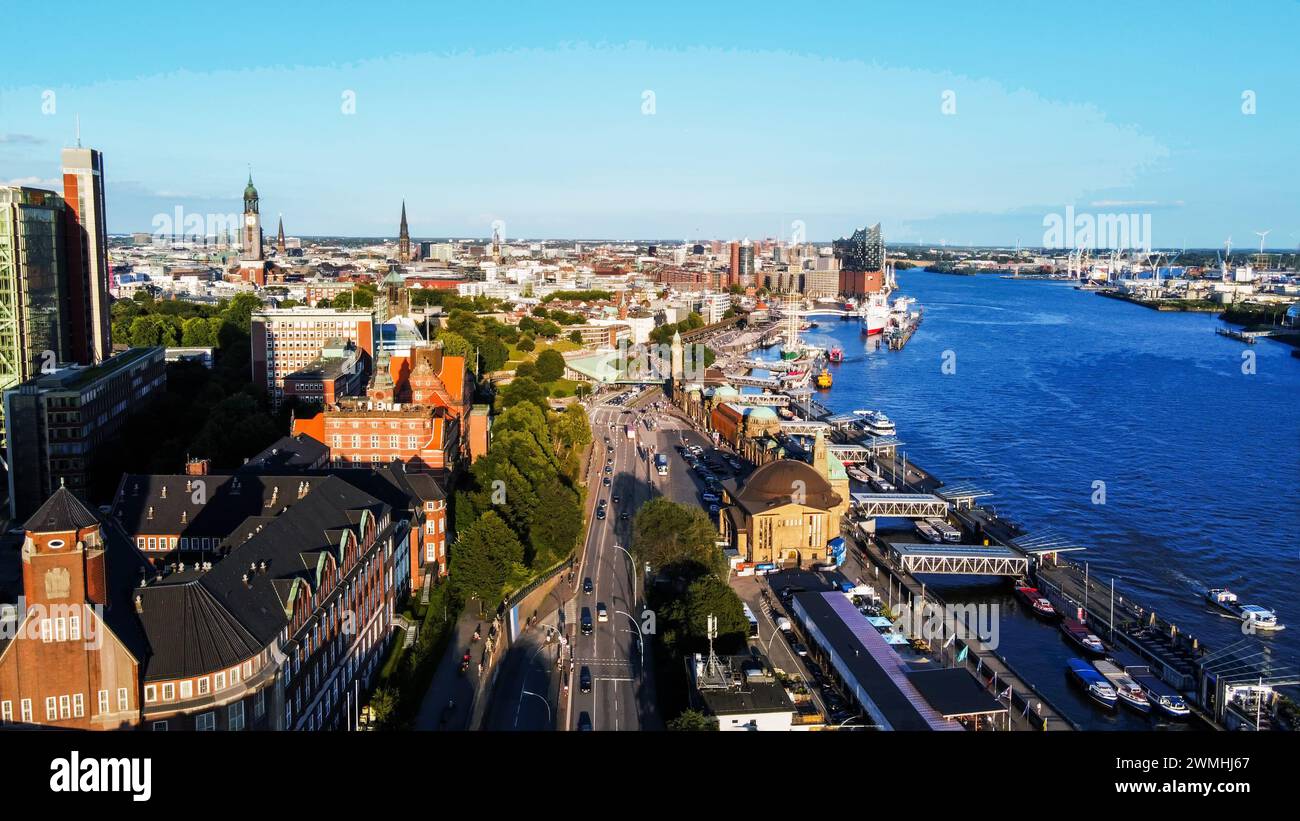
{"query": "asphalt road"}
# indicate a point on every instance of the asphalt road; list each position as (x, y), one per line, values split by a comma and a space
(622, 691)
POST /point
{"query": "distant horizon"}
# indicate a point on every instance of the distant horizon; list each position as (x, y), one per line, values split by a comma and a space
(960, 125)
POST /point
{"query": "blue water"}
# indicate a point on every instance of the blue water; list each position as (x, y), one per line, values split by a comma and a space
(1055, 389)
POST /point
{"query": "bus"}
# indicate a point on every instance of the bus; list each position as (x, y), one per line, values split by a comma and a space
(630, 430)
(661, 463)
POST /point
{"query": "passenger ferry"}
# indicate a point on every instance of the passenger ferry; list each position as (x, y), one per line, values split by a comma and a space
(824, 379)
(1093, 682)
(946, 531)
(1125, 687)
(1258, 618)
(1083, 638)
(876, 423)
(925, 531)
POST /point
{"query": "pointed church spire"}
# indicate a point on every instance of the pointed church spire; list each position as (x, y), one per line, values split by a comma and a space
(403, 238)
(279, 240)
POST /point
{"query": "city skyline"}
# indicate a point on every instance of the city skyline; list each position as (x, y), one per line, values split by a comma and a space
(591, 122)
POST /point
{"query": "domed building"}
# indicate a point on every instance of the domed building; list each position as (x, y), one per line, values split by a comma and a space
(785, 512)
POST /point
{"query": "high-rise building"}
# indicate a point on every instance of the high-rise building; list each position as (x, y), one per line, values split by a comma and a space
(34, 333)
(88, 273)
(403, 238)
(733, 270)
(286, 340)
(745, 257)
(56, 422)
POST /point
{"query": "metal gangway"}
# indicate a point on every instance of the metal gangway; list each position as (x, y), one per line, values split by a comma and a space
(963, 494)
(959, 559)
(899, 505)
(754, 381)
(762, 399)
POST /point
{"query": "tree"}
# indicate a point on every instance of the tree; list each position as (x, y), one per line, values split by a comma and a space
(523, 389)
(570, 430)
(665, 534)
(196, 332)
(550, 365)
(484, 558)
(711, 596)
(453, 344)
(556, 528)
(693, 721)
(383, 706)
(576, 337)
(526, 344)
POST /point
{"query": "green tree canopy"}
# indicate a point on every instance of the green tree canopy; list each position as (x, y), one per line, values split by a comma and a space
(666, 534)
(550, 365)
(693, 721)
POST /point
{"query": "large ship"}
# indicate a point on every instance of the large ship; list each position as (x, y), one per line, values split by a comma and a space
(874, 316)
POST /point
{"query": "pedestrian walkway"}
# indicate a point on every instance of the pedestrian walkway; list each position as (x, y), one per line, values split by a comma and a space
(449, 684)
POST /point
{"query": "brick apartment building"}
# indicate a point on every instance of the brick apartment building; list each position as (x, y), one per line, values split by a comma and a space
(276, 626)
(287, 340)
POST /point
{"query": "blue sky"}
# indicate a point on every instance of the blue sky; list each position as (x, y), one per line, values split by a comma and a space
(831, 114)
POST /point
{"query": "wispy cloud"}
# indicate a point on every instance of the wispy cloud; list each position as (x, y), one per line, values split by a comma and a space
(31, 182)
(20, 139)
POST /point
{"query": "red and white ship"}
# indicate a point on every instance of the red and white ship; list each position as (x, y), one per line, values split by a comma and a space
(875, 315)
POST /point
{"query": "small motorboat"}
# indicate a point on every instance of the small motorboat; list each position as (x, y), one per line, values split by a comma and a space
(1252, 616)
(1081, 637)
(1037, 602)
(1163, 698)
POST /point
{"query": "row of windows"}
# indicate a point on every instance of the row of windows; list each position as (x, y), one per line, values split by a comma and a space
(61, 629)
(171, 543)
(202, 685)
(61, 708)
(394, 441)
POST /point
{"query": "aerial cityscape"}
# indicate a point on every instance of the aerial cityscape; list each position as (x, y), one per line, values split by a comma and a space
(577, 371)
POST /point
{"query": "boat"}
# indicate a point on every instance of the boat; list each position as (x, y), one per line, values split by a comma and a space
(788, 354)
(1080, 636)
(785, 413)
(1252, 615)
(824, 379)
(946, 532)
(925, 531)
(1126, 688)
(882, 485)
(858, 475)
(1093, 682)
(875, 314)
(1037, 602)
(876, 423)
(836, 354)
(1164, 699)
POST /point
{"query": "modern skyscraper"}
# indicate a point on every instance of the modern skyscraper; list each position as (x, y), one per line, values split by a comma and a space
(403, 238)
(746, 260)
(733, 270)
(34, 334)
(87, 258)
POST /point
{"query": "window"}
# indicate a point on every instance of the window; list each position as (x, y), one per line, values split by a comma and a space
(169, 692)
(288, 716)
(219, 681)
(123, 699)
(159, 726)
(187, 689)
(206, 722)
(51, 709)
(203, 686)
(150, 696)
(6, 711)
(27, 710)
(65, 707)
(74, 628)
(235, 716)
(47, 631)
(234, 676)
(103, 701)
(78, 705)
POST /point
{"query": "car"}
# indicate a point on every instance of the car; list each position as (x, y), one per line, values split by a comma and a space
(609, 468)
(584, 680)
(584, 722)
(587, 586)
(601, 613)
(800, 649)
(615, 498)
(709, 497)
(713, 510)
(587, 626)
(605, 481)
(623, 516)
(600, 513)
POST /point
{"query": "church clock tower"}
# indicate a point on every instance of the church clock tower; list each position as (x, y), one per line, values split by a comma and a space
(252, 228)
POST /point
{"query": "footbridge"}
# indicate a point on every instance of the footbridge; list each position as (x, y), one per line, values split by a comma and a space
(899, 505)
(959, 559)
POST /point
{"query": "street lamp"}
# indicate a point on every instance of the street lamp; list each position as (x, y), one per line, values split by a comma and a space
(633, 569)
(636, 628)
(544, 701)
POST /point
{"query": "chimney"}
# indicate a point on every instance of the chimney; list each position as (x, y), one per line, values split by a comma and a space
(139, 603)
(164, 491)
(197, 467)
(150, 514)
(245, 578)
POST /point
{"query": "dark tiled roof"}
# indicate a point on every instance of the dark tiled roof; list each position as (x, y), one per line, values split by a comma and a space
(61, 512)
(199, 621)
(297, 452)
(168, 504)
